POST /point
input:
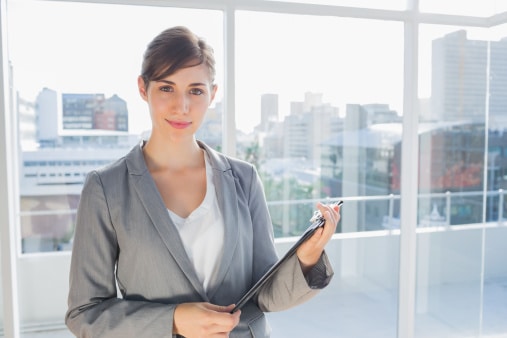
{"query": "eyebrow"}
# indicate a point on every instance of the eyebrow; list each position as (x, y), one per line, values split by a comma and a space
(195, 84)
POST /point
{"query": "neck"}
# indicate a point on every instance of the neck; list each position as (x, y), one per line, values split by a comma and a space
(172, 155)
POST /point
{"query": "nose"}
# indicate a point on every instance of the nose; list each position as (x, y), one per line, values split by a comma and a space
(180, 103)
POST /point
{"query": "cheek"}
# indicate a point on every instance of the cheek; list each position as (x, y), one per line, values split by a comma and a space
(203, 102)
(202, 108)
(157, 103)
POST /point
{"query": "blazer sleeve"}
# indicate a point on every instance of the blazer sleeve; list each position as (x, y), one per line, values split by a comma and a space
(288, 287)
(94, 309)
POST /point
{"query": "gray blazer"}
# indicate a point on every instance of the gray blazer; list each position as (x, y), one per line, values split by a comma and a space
(126, 241)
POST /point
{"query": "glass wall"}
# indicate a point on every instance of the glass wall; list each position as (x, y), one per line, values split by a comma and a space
(325, 112)
(495, 272)
(319, 110)
(462, 137)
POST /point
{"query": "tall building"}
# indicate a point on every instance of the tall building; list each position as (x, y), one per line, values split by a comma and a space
(269, 111)
(27, 123)
(47, 106)
(307, 126)
(78, 111)
(459, 79)
(381, 113)
(116, 115)
(498, 85)
(94, 111)
(211, 129)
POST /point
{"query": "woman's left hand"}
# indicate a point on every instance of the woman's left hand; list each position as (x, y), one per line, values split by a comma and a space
(310, 251)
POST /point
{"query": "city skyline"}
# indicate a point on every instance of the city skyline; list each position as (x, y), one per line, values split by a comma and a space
(77, 67)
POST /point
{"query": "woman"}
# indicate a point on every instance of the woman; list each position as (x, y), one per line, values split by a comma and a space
(181, 230)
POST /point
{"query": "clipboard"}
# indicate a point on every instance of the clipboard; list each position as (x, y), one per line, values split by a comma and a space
(316, 222)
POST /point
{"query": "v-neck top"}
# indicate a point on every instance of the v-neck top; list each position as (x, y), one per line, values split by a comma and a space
(202, 232)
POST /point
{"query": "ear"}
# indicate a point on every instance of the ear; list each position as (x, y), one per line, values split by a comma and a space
(142, 88)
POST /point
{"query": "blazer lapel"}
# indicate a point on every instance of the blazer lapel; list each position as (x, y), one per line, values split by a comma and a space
(225, 188)
(157, 211)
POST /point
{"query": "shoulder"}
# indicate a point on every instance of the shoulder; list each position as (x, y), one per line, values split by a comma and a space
(111, 170)
(228, 164)
(131, 163)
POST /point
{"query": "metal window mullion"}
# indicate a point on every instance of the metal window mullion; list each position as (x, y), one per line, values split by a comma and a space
(497, 19)
(229, 113)
(409, 182)
(7, 206)
(485, 185)
(299, 8)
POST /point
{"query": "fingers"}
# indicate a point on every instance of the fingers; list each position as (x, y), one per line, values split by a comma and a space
(219, 308)
(224, 320)
(330, 212)
(310, 251)
(204, 320)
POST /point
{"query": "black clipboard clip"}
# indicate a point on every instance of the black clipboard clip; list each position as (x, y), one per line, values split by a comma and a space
(316, 222)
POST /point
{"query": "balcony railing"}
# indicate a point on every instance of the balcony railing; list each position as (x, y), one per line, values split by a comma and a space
(52, 229)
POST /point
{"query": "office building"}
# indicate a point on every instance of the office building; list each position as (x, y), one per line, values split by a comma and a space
(469, 79)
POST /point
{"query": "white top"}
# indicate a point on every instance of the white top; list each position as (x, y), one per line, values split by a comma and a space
(202, 232)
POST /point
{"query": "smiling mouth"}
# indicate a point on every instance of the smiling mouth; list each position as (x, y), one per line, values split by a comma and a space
(179, 124)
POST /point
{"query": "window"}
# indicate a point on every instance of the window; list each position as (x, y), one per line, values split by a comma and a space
(322, 115)
(66, 71)
(319, 94)
(464, 76)
(319, 107)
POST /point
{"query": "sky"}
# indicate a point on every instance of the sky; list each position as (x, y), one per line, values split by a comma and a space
(96, 48)
(88, 48)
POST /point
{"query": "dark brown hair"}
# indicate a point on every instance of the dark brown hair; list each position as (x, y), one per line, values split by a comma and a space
(173, 49)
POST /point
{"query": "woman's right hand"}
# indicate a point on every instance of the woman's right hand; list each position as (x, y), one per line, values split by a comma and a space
(195, 320)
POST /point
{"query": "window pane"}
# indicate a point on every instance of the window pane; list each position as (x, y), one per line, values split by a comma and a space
(453, 93)
(75, 79)
(462, 85)
(495, 250)
(319, 113)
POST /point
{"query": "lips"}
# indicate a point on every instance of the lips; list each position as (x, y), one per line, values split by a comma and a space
(179, 124)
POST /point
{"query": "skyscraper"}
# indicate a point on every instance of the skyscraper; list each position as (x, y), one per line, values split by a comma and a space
(269, 110)
(460, 75)
(498, 85)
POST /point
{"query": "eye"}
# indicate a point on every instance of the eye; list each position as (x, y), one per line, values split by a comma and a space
(166, 89)
(196, 91)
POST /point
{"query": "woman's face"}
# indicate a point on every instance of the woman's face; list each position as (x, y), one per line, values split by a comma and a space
(178, 102)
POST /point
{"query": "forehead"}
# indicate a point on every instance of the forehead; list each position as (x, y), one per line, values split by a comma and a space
(193, 74)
